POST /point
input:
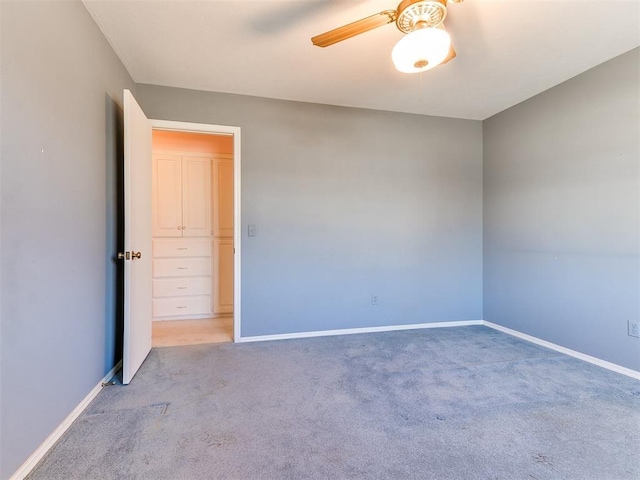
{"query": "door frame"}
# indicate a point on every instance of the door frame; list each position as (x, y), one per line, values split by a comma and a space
(237, 204)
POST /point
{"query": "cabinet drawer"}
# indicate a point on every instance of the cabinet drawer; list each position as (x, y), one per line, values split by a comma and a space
(173, 307)
(175, 287)
(182, 267)
(181, 247)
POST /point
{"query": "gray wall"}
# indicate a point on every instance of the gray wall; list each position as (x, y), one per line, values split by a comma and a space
(561, 213)
(61, 86)
(348, 203)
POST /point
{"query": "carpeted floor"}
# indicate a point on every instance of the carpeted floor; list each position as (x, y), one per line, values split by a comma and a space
(450, 403)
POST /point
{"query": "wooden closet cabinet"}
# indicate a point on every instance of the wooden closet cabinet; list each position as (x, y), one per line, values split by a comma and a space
(181, 206)
(181, 278)
(223, 252)
(193, 251)
(223, 198)
(181, 196)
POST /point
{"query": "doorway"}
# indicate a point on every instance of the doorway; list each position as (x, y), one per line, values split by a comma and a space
(196, 219)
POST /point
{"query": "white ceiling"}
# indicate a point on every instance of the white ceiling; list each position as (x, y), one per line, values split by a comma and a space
(508, 50)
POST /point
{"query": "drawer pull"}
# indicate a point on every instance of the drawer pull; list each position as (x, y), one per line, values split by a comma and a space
(184, 306)
(183, 268)
(182, 248)
(182, 288)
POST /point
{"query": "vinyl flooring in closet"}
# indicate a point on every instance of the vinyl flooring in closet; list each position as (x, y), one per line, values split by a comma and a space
(173, 333)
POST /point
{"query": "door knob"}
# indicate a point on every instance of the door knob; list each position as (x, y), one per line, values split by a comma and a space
(136, 255)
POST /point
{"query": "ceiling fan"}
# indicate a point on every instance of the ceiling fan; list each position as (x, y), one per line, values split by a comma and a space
(426, 45)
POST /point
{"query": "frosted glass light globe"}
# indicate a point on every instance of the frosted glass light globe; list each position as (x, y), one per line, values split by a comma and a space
(421, 50)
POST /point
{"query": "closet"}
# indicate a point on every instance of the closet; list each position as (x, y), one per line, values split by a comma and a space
(192, 205)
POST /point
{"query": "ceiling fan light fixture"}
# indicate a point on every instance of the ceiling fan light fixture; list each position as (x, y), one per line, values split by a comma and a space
(431, 13)
(421, 50)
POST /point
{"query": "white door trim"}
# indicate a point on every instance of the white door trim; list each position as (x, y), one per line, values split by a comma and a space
(237, 226)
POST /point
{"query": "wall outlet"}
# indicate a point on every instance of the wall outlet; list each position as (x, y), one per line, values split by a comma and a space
(374, 301)
(633, 329)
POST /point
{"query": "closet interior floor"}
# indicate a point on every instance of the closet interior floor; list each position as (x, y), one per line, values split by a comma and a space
(174, 333)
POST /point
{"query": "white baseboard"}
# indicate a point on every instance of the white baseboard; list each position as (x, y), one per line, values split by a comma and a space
(352, 331)
(41, 451)
(538, 341)
(567, 351)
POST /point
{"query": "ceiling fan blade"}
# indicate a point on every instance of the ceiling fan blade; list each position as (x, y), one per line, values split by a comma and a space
(356, 28)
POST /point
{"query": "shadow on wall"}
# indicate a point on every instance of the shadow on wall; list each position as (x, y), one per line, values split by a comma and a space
(114, 285)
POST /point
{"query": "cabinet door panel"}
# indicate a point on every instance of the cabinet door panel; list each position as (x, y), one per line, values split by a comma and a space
(223, 276)
(167, 196)
(196, 197)
(223, 201)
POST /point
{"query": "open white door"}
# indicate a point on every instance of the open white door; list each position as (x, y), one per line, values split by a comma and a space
(137, 238)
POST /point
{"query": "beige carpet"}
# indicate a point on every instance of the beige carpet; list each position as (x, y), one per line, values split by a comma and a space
(441, 404)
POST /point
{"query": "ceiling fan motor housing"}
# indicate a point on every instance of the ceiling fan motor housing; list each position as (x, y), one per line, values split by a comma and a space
(414, 14)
